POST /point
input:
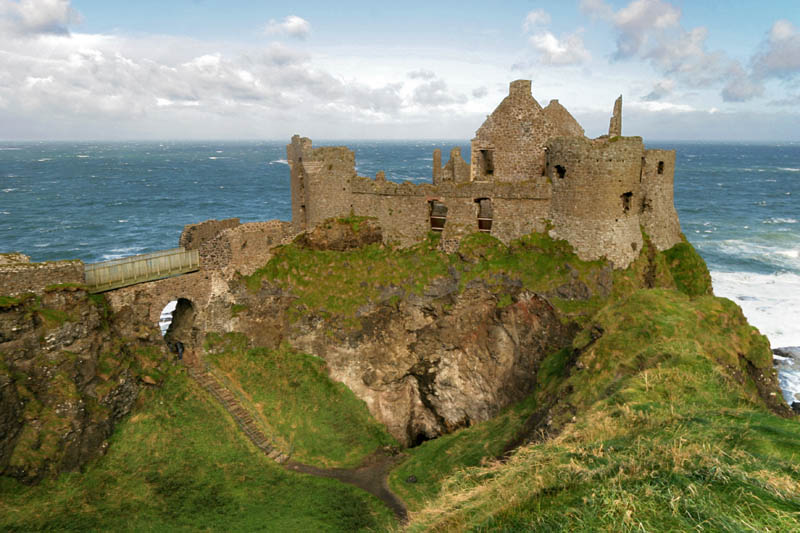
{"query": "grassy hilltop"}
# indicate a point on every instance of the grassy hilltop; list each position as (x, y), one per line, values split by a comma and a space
(662, 415)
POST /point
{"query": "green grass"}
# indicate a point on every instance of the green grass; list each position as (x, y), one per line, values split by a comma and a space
(321, 422)
(658, 429)
(338, 283)
(688, 269)
(181, 464)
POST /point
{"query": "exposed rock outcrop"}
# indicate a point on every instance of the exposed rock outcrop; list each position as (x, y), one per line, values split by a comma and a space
(425, 365)
(66, 378)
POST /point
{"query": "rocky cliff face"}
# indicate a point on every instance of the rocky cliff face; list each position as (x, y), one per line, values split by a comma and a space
(67, 375)
(425, 363)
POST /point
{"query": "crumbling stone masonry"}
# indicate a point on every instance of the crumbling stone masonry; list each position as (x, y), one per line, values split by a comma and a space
(530, 168)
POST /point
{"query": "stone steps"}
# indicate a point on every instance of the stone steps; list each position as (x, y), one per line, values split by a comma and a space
(237, 412)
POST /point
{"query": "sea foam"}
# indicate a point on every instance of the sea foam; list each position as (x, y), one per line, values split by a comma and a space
(771, 302)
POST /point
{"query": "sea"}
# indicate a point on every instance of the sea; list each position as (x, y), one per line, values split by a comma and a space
(738, 205)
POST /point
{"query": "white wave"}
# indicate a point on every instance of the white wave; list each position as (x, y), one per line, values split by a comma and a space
(771, 302)
(128, 251)
(279, 161)
(9, 190)
(41, 245)
(789, 169)
(783, 257)
(5, 212)
(9, 149)
(42, 160)
(122, 220)
(780, 220)
(81, 156)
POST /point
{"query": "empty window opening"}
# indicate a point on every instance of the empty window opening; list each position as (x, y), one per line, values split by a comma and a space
(486, 163)
(660, 167)
(561, 171)
(485, 215)
(626, 201)
(438, 215)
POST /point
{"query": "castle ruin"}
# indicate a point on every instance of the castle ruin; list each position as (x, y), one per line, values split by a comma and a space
(531, 169)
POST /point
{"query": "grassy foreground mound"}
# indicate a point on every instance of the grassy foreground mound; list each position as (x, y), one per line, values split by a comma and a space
(181, 464)
(661, 425)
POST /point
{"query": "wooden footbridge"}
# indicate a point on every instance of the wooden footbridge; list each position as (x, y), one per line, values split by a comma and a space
(117, 273)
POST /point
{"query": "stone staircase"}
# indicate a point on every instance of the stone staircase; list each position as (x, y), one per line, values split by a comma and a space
(219, 391)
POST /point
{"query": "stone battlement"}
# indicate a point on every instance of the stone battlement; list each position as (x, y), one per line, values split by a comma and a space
(530, 168)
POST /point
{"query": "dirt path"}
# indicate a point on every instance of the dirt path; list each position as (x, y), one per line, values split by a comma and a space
(370, 476)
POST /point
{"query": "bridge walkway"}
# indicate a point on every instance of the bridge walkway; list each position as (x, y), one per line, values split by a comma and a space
(118, 273)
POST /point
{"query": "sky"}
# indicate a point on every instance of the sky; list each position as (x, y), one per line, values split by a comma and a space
(235, 69)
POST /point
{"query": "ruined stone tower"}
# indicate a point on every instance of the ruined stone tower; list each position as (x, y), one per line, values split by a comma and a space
(530, 168)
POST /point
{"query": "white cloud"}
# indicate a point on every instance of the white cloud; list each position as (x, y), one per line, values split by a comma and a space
(480, 92)
(780, 54)
(660, 107)
(537, 17)
(34, 17)
(741, 87)
(651, 30)
(568, 50)
(640, 21)
(551, 50)
(660, 90)
(293, 26)
(421, 74)
(435, 93)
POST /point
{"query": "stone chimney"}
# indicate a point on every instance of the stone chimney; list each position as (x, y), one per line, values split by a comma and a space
(520, 88)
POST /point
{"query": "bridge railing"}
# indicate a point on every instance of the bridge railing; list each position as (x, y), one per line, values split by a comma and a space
(135, 269)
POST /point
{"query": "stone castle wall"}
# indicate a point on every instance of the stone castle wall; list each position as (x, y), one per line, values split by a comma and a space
(244, 248)
(19, 278)
(529, 165)
(596, 194)
(320, 181)
(194, 236)
(659, 217)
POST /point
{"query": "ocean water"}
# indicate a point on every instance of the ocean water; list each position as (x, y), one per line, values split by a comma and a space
(738, 204)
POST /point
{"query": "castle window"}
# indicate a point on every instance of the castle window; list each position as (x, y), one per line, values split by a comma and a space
(484, 215)
(660, 167)
(438, 215)
(561, 171)
(626, 201)
(486, 162)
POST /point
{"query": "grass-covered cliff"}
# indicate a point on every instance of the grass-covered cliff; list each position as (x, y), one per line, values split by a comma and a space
(654, 408)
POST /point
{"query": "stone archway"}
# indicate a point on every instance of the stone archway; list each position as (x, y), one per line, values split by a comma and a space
(182, 336)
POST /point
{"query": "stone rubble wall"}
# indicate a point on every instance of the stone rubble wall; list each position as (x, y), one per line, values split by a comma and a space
(244, 248)
(195, 235)
(19, 278)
